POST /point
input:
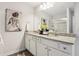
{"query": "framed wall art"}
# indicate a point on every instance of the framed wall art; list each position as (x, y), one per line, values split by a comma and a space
(12, 20)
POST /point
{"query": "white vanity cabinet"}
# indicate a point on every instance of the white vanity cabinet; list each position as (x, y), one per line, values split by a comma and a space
(41, 49)
(52, 48)
(42, 46)
(56, 48)
(33, 45)
(67, 48)
(55, 52)
(27, 41)
(30, 44)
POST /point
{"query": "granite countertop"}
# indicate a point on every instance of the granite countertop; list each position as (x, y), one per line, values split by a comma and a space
(66, 39)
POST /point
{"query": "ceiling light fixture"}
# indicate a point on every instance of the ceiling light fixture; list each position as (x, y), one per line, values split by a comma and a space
(46, 5)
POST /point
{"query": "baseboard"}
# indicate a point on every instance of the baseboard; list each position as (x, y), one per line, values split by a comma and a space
(12, 52)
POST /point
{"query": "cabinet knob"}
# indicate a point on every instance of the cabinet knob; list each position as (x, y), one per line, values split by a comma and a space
(64, 48)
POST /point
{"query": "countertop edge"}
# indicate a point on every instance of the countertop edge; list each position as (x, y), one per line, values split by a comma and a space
(35, 34)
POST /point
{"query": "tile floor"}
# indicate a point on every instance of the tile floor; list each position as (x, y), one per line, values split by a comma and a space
(22, 53)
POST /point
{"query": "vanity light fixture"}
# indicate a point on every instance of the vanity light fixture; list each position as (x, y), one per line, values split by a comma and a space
(46, 5)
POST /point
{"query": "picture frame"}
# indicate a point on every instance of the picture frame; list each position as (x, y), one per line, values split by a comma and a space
(12, 20)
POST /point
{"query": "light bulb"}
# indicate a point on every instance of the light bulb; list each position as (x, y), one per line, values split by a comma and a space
(46, 5)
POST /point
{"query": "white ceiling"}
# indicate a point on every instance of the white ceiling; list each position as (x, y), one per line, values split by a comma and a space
(34, 4)
(59, 7)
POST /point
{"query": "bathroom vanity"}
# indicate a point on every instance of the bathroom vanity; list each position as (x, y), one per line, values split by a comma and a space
(46, 45)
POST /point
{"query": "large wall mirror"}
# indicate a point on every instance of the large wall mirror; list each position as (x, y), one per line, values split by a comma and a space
(59, 17)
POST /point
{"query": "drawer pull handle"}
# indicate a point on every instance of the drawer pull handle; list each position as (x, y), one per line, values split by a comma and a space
(64, 48)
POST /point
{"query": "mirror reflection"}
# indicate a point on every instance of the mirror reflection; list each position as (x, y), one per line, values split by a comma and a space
(58, 16)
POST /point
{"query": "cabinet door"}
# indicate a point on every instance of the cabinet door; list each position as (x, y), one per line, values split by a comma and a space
(65, 47)
(55, 52)
(60, 53)
(51, 52)
(33, 47)
(27, 40)
(41, 49)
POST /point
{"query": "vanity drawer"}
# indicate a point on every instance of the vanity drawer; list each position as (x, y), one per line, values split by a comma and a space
(34, 37)
(49, 43)
(38, 39)
(65, 47)
(28, 36)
